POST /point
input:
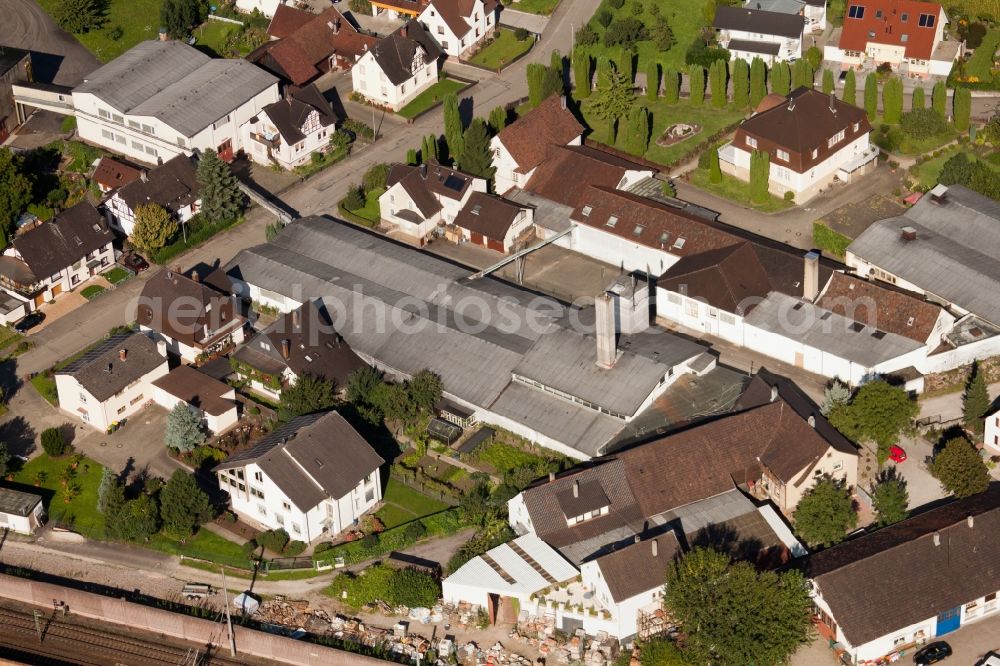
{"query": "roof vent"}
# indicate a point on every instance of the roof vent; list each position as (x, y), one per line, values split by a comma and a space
(576, 489)
(111, 368)
(937, 538)
(122, 354)
(812, 421)
(653, 542)
(562, 101)
(833, 106)
(939, 194)
(908, 234)
(970, 521)
(791, 103)
(638, 538)
(552, 476)
(774, 393)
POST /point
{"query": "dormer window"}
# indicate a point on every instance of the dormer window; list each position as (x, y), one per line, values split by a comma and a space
(751, 142)
(590, 515)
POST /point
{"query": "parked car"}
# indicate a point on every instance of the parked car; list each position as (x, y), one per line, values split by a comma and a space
(932, 653)
(32, 320)
(897, 454)
(133, 262)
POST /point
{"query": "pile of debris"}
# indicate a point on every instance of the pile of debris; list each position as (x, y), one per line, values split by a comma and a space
(540, 633)
(294, 614)
(471, 654)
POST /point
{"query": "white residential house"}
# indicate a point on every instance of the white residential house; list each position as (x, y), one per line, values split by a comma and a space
(459, 25)
(873, 598)
(55, 257)
(813, 12)
(314, 477)
(524, 144)
(20, 512)
(112, 381)
(756, 33)
(991, 436)
(164, 98)
(215, 400)
(191, 316)
(398, 68)
(173, 186)
(420, 199)
(288, 132)
(909, 35)
(812, 139)
(265, 7)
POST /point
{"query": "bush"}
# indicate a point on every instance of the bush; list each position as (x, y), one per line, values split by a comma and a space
(358, 128)
(115, 33)
(625, 32)
(604, 17)
(361, 7)
(294, 548)
(250, 548)
(616, 4)
(273, 540)
(923, 123)
(370, 541)
(414, 530)
(789, 196)
(355, 198)
(375, 177)
(53, 442)
(521, 34)
(383, 583)
(585, 36)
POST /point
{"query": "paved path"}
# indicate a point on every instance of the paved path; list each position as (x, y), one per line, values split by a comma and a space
(949, 405)
(57, 57)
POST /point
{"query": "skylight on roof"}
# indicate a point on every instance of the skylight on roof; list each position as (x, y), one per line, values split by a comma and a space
(309, 358)
(856, 12)
(476, 209)
(926, 20)
(857, 327)
(638, 230)
(909, 322)
(587, 210)
(903, 17)
(878, 335)
(612, 221)
(904, 38)
(664, 238)
(679, 243)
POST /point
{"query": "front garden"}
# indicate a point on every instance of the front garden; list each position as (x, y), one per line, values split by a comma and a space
(431, 97)
(506, 47)
(737, 190)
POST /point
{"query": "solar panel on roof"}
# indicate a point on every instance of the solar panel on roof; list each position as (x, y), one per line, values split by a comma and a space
(454, 183)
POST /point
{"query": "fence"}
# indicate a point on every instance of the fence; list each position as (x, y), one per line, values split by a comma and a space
(213, 17)
(288, 563)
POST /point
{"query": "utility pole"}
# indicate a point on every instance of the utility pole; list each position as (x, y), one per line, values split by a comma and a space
(229, 618)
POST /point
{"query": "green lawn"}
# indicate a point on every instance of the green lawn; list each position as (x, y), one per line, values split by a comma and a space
(980, 65)
(116, 275)
(543, 7)
(139, 20)
(431, 97)
(828, 240)
(370, 211)
(928, 172)
(404, 504)
(886, 136)
(503, 50)
(685, 17)
(46, 387)
(664, 114)
(735, 190)
(204, 545)
(81, 512)
(8, 336)
(213, 35)
(92, 291)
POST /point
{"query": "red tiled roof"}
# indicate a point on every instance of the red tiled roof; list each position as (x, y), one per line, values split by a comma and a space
(286, 20)
(112, 173)
(881, 306)
(529, 138)
(891, 22)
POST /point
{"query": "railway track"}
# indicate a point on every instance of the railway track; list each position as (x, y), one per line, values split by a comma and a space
(66, 642)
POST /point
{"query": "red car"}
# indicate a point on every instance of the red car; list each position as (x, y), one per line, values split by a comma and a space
(897, 454)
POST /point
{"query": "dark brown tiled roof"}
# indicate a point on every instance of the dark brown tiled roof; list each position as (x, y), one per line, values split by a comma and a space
(879, 583)
(103, 373)
(582, 497)
(395, 53)
(426, 183)
(758, 21)
(286, 20)
(69, 237)
(802, 124)
(489, 215)
(172, 185)
(590, 169)
(733, 277)
(877, 304)
(455, 13)
(181, 309)
(311, 458)
(113, 174)
(197, 389)
(637, 568)
(314, 347)
(290, 114)
(529, 138)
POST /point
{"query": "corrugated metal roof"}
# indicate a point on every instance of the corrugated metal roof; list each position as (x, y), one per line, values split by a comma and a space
(956, 253)
(177, 84)
(833, 333)
(478, 572)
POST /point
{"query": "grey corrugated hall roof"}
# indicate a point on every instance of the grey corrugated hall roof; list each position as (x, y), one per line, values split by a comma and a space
(363, 278)
(956, 254)
(177, 84)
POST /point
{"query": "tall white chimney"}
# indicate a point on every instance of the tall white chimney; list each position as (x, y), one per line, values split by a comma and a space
(607, 352)
(810, 279)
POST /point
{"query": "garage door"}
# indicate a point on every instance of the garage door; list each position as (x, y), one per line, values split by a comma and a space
(494, 245)
(948, 621)
(56, 289)
(39, 300)
(477, 239)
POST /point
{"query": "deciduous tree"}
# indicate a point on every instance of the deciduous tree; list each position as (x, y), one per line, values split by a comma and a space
(879, 413)
(825, 513)
(183, 505)
(221, 197)
(180, 17)
(308, 394)
(185, 428)
(15, 192)
(135, 520)
(154, 227)
(613, 101)
(425, 390)
(960, 469)
(733, 615)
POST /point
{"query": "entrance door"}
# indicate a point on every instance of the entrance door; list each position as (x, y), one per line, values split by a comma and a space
(226, 151)
(948, 621)
(800, 361)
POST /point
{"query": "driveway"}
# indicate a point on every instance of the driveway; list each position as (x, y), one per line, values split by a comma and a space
(135, 448)
(922, 486)
(57, 57)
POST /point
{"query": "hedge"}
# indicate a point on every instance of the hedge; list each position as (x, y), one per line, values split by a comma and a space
(398, 538)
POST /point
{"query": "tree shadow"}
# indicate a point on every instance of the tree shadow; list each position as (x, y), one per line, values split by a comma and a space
(18, 435)
(10, 382)
(725, 538)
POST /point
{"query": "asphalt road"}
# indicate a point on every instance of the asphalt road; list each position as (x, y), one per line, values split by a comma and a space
(57, 57)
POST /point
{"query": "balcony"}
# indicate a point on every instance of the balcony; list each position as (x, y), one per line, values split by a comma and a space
(273, 142)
